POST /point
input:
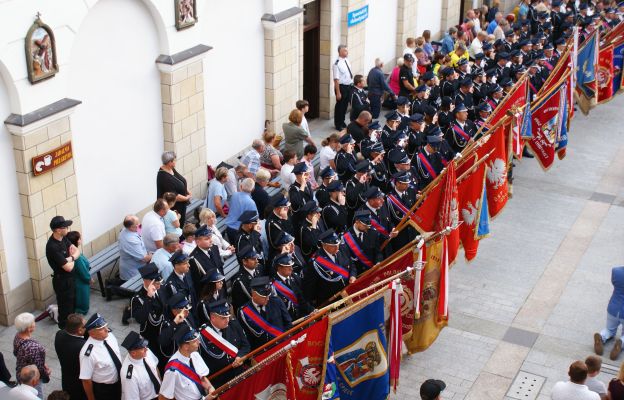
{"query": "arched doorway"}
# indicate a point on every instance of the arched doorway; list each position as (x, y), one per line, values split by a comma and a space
(117, 131)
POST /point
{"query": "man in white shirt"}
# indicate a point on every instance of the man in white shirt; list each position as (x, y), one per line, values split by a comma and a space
(476, 46)
(575, 388)
(29, 378)
(186, 373)
(343, 81)
(140, 379)
(153, 226)
(100, 362)
(161, 257)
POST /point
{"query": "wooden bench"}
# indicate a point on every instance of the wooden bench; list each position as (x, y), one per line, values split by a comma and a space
(102, 259)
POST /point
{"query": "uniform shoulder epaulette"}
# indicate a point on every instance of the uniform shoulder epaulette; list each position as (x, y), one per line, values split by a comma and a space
(337, 61)
(129, 372)
(89, 349)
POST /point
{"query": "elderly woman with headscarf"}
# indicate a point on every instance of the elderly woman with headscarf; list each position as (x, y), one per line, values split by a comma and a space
(170, 180)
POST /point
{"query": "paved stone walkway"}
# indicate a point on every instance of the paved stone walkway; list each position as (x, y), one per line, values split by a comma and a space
(535, 294)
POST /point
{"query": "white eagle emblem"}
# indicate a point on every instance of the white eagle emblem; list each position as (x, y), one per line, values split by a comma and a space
(497, 173)
(469, 214)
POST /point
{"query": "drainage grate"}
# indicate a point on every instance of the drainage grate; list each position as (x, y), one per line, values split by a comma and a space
(526, 386)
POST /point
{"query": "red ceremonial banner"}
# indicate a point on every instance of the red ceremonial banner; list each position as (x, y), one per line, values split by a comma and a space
(448, 215)
(470, 199)
(297, 378)
(517, 98)
(425, 216)
(496, 170)
(546, 125)
(604, 75)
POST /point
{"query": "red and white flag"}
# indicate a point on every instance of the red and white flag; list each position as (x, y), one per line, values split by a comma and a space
(444, 283)
(395, 343)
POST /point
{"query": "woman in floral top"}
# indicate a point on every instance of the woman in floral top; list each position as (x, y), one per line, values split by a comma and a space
(28, 351)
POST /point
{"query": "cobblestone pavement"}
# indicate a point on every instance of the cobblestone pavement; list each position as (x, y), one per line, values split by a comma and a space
(531, 300)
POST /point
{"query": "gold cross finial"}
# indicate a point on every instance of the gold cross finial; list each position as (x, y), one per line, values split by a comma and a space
(38, 15)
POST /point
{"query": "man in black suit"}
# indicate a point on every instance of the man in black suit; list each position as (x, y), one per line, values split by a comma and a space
(67, 344)
(204, 257)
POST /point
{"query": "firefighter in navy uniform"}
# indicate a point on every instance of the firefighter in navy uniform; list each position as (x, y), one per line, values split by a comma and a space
(249, 236)
(464, 96)
(400, 200)
(356, 186)
(241, 289)
(363, 243)
(321, 195)
(179, 315)
(483, 113)
(461, 131)
(179, 280)
(264, 317)
(379, 172)
(329, 272)
(287, 286)
(379, 215)
(203, 309)
(334, 214)
(299, 193)
(224, 343)
(311, 229)
(429, 162)
(445, 114)
(148, 307)
(415, 137)
(205, 257)
(345, 158)
(276, 222)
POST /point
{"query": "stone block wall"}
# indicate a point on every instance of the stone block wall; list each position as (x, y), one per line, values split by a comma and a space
(328, 46)
(283, 67)
(406, 23)
(354, 37)
(182, 91)
(450, 13)
(43, 197)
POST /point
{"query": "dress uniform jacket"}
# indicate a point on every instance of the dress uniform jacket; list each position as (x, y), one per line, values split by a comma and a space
(359, 102)
(241, 287)
(68, 348)
(168, 329)
(364, 249)
(354, 200)
(216, 359)
(274, 225)
(289, 291)
(298, 198)
(275, 316)
(149, 313)
(448, 87)
(444, 119)
(428, 165)
(202, 263)
(386, 137)
(185, 285)
(468, 100)
(397, 204)
(252, 239)
(97, 365)
(308, 237)
(321, 195)
(380, 176)
(458, 137)
(177, 386)
(320, 281)
(345, 165)
(135, 381)
(335, 217)
(415, 140)
(380, 219)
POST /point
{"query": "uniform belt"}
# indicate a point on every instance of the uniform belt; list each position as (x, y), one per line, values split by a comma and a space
(347, 85)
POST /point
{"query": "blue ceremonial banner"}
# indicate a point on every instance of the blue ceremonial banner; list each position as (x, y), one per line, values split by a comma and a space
(357, 361)
(586, 61)
(357, 16)
(562, 139)
(526, 129)
(618, 64)
(483, 229)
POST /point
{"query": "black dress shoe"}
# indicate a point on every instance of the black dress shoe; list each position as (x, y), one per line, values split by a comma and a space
(526, 153)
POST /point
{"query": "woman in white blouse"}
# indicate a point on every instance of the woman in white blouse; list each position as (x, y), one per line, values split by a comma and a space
(207, 217)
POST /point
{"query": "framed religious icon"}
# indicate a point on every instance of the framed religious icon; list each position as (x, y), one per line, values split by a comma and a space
(185, 13)
(40, 52)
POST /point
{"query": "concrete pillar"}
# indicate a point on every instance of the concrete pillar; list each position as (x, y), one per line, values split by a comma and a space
(354, 37)
(328, 46)
(182, 91)
(44, 196)
(406, 23)
(283, 63)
